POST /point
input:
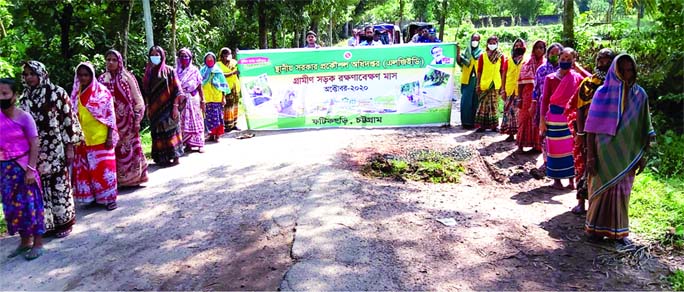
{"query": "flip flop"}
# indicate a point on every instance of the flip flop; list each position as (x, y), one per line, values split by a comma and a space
(63, 234)
(111, 206)
(18, 251)
(577, 211)
(34, 253)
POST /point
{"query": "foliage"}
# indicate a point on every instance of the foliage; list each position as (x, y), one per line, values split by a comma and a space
(677, 280)
(421, 165)
(656, 205)
(3, 223)
(667, 155)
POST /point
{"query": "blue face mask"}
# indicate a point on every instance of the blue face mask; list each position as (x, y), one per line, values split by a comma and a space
(565, 65)
(155, 60)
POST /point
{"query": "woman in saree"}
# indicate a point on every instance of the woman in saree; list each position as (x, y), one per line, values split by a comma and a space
(528, 132)
(95, 159)
(491, 84)
(619, 132)
(22, 201)
(164, 99)
(576, 112)
(509, 123)
(131, 165)
(192, 121)
(229, 67)
(551, 66)
(468, 60)
(58, 132)
(559, 87)
(215, 88)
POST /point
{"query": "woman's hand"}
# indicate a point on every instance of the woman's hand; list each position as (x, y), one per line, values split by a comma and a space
(502, 92)
(175, 114)
(591, 166)
(69, 153)
(641, 165)
(203, 107)
(30, 177)
(533, 109)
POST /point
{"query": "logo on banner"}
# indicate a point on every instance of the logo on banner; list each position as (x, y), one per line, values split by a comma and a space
(347, 55)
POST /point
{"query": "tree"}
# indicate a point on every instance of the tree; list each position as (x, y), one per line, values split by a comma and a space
(568, 35)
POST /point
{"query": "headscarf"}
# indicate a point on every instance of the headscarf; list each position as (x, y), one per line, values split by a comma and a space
(122, 79)
(189, 77)
(100, 103)
(469, 53)
(607, 107)
(518, 59)
(44, 83)
(149, 68)
(218, 80)
(529, 69)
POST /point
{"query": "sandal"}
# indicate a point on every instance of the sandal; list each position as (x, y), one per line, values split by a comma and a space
(64, 233)
(577, 210)
(510, 139)
(18, 251)
(111, 206)
(35, 253)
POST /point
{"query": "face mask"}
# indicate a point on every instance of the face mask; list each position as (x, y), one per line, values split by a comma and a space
(518, 51)
(185, 62)
(603, 68)
(230, 57)
(474, 44)
(155, 60)
(565, 65)
(492, 47)
(553, 59)
(210, 63)
(5, 103)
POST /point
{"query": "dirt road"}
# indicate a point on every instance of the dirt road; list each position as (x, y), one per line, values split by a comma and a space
(289, 210)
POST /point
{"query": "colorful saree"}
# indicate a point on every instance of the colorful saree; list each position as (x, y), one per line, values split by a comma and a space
(469, 102)
(233, 98)
(22, 203)
(528, 131)
(215, 86)
(160, 90)
(50, 107)
(131, 165)
(192, 122)
(619, 117)
(95, 164)
(487, 111)
(509, 122)
(557, 92)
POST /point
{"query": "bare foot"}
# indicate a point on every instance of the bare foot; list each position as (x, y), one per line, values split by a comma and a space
(557, 185)
(200, 150)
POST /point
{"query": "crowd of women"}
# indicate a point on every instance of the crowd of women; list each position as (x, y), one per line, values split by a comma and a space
(59, 148)
(592, 129)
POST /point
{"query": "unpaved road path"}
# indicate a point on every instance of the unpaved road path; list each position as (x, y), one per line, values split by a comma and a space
(289, 210)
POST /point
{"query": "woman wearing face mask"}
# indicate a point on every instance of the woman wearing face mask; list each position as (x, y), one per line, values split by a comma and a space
(491, 84)
(559, 87)
(229, 67)
(528, 133)
(215, 89)
(509, 124)
(192, 121)
(164, 99)
(129, 107)
(22, 201)
(95, 159)
(619, 132)
(576, 112)
(58, 131)
(468, 61)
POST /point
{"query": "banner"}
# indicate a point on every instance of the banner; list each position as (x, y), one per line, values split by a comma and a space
(375, 86)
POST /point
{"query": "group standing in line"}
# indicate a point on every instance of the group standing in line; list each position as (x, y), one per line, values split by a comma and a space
(59, 148)
(592, 129)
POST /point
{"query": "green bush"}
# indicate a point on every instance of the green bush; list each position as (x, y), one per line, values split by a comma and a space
(677, 280)
(656, 207)
(667, 156)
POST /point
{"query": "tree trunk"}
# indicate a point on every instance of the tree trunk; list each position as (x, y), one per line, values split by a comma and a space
(65, 26)
(126, 29)
(295, 39)
(314, 25)
(640, 15)
(568, 36)
(442, 18)
(401, 12)
(263, 28)
(611, 9)
(173, 31)
(330, 29)
(274, 38)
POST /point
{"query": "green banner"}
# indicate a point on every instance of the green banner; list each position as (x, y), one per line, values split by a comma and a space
(375, 86)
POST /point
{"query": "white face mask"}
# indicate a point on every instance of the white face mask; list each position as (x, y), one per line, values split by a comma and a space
(155, 60)
(230, 56)
(492, 47)
(474, 44)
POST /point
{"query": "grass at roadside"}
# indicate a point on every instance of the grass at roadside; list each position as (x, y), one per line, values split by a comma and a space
(146, 141)
(656, 208)
(677, 280)
(3, 224)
